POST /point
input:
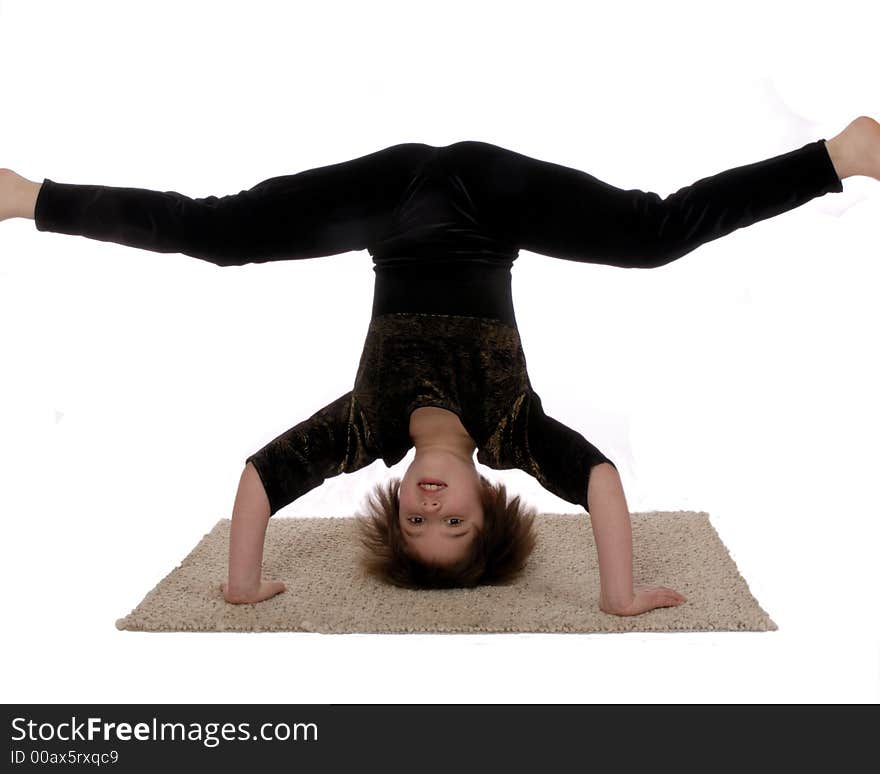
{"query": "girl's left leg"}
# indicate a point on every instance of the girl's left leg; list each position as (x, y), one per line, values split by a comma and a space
(18, 195)
(317, 212)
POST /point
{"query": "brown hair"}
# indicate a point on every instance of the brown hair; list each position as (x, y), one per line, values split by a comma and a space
(497, 554)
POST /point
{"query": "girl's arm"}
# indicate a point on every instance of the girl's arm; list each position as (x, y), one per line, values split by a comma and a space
(568, 465)
(612, 530)
(250, 517)
(330, 442)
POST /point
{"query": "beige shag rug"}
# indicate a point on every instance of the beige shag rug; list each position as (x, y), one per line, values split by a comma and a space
(327, 591)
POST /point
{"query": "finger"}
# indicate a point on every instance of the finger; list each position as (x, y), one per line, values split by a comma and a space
(667, 598)
(274, 587)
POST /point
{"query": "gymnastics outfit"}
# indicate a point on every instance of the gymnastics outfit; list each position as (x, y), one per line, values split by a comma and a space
(443, 226)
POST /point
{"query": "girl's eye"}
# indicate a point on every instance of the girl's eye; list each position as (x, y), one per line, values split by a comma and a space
(455, 519)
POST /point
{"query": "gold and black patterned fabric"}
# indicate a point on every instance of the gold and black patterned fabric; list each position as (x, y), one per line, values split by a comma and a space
(443, 226)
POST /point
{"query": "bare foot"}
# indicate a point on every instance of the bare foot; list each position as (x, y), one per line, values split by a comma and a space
(7, 194)
(17, 195)
(856, 150)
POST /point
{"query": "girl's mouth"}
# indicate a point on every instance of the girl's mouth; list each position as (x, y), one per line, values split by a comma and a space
(431, 484)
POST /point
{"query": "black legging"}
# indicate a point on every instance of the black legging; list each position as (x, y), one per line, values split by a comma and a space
(444, 226)
(451, 219)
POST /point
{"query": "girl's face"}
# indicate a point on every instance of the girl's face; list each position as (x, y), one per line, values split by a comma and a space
(440, 522)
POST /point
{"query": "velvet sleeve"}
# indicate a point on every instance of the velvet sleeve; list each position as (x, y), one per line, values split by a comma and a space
(331, 441)
(557, 456)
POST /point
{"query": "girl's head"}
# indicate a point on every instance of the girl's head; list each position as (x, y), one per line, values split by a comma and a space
(462, 534)
(440, 505)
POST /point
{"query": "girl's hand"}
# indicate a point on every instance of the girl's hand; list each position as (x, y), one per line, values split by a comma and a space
(265, 590)
(644, 599)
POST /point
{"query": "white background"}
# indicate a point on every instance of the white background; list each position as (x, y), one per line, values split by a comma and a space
(740, 380)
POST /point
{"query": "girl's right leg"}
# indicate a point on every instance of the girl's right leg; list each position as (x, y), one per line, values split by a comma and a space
(856, 150)
(564, 212)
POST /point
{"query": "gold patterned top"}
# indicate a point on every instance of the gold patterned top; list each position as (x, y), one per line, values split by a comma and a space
(443, 226)
(474, 367)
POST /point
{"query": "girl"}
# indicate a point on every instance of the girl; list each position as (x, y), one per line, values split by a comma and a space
(442, 368)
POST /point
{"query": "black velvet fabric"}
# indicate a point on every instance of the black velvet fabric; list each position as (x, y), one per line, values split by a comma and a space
(443, 226)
